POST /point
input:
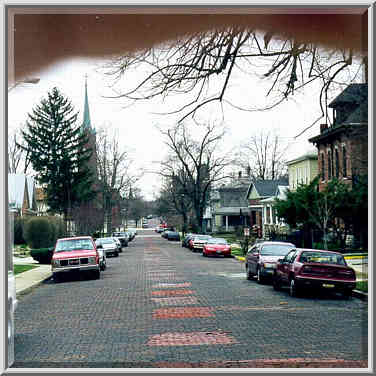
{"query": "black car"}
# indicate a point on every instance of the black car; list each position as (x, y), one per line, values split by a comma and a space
(173, 235)
(123, 237)
(187, 238)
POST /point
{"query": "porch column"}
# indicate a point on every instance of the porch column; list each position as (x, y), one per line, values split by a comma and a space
(226, 222)
(271, 214)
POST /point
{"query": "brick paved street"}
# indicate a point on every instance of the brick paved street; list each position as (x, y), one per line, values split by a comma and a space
(160, 305)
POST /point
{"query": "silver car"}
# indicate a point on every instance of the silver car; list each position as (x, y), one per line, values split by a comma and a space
(108, 245)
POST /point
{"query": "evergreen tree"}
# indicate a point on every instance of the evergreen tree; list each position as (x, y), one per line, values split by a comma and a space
(59, 153)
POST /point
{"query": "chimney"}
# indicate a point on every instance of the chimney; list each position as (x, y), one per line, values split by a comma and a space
(323, 127)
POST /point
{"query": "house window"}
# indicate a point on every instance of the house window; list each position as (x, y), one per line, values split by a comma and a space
(329, 164)
(336, 163)
(344, 161)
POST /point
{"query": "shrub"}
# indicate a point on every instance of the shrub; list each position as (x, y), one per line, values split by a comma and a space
(58, 230)
(18, 227)
(42, 255)
(39, 232)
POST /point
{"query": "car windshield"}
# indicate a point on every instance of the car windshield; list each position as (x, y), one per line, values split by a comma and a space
(105, 241)
(217, 241)
(322, 258)
(276, 249)
(73, 245)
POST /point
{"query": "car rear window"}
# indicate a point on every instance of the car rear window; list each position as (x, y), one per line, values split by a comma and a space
(275, 249)
(73, 245)
(322, 258)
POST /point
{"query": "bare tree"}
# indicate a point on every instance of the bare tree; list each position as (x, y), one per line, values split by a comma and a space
(202, 65)
(263, 156)
(195, 165)
(114, 172)
(18, 161)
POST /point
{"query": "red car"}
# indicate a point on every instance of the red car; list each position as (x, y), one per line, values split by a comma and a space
(216, 247)
(75, 254)
(314, 269)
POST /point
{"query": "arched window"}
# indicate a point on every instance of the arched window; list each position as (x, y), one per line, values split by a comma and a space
(329, 164)
(344, 161)
(336, 163)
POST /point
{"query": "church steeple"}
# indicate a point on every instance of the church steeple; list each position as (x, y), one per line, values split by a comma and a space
(86, 123)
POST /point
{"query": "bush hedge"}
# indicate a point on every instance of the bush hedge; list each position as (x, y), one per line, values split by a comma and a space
(18, 226)
(42, 255)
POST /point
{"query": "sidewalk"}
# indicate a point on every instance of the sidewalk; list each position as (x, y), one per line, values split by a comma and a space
(27, 280)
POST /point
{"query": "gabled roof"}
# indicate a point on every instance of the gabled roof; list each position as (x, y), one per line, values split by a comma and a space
(353, 94)
(20, 185)
(306, 156)
(267, 188)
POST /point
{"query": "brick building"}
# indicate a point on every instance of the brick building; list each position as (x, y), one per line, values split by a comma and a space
(343, 146)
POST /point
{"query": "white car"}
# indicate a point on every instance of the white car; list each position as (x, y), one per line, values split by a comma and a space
(108, 245)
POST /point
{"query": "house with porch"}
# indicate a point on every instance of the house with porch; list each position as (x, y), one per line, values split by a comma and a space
(260, 209)
(229, 207)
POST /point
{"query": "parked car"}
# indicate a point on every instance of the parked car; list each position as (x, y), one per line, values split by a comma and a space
(164, 234)
(145, 225)
(216, 247)
(123, 238)
(262, 257)
(118, 243)
(108, 245)
(102, 259)
(131, 234)
(75, 254)
(198, 242)
(302, 269)
(133, 231)
(159, 229)
(173, 235)
(187, 238)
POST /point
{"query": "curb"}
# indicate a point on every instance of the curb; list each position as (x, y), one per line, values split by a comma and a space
(360, 295)
(27, 289)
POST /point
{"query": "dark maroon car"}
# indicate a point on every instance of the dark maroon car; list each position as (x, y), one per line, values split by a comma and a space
(303, 269)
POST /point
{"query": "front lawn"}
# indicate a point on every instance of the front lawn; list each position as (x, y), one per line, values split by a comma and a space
(362, 286)
(23, 268)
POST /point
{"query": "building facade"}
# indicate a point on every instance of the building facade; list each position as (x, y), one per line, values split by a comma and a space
(343, 146)
(302, 170)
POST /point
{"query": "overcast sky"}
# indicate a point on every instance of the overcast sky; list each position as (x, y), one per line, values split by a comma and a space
(137, 123)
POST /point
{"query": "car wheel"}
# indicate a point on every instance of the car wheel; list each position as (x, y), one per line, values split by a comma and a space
(347, 294)
(276, 285)
(293, 288)
(56, 278)
(260, 278)
(96, 274)
(204, 254)
(248, 272)
(116, 254)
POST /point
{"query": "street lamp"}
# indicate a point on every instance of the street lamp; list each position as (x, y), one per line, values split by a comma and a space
(33, 80)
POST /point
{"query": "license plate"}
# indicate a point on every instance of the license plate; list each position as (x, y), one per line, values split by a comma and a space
(219, 251)
(327, 285)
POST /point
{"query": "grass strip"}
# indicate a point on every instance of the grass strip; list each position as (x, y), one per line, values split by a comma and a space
(23, 268)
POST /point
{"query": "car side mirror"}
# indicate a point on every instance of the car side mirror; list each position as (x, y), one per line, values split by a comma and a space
(281, 260)
(100, 246)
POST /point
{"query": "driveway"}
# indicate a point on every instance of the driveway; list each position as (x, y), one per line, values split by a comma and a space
(160, 305)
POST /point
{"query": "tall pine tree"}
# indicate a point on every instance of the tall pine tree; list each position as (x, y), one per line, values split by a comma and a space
(59, 153)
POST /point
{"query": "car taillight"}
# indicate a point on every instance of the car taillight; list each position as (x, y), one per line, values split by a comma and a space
(190, 242)
(346, 273)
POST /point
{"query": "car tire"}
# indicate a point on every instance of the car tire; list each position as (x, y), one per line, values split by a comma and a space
(204, 254)
(97, 274)
(276, 285)
(293, 290)
(116, 254)
(260, 278)
(56, 277)
(347, 294)
(248, 273)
